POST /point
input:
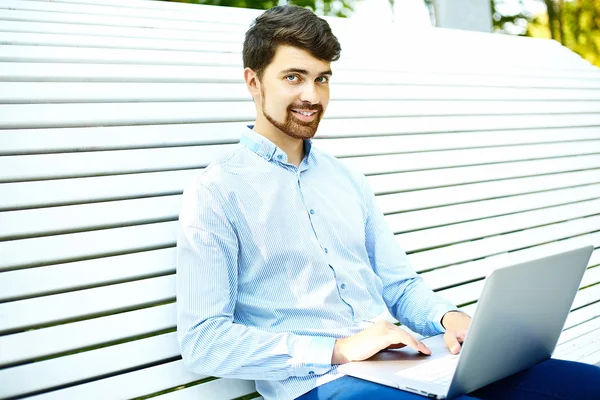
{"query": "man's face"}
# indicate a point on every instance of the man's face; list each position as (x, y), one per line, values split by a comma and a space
(294, 92)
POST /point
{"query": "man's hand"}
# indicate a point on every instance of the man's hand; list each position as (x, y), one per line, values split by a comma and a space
(457, 324)
(381, 335)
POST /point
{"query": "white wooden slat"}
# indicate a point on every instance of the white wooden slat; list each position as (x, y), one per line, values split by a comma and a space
(585, 349)
(347, 147)
(129, 385)
(23, 168)
(402, 181)
(106, 138)
(192, 27)
(469, 251)
(393, 126)
(95, 92)
(573, 333)
(189, 14)
(72, 246)
(427, 198)
(61, 40)
(591, 277)
(105, 114)
(52, 166)
(22, 314)
(465, 231)
(68, 219)
(452, 158)
(87, 72)
(38, 343)
(159, 5)
(582, 315)
(83, 274)
(71, 92)
(472, 270)
(50, 373)
(82, 190)
(110, 31)
(427, 218)
(120, 56)
(21, 141)
(217, 389)
(586, 296)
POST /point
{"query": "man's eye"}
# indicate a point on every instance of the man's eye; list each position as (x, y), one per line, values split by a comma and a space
(291, 78)
(322, 79)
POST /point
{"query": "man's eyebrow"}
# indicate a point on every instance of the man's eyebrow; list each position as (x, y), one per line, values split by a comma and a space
(303, 71)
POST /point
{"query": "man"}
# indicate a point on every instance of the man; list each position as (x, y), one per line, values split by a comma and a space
(286, 267)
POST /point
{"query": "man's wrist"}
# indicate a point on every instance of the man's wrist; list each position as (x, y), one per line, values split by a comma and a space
(447, 322)
(338, 357)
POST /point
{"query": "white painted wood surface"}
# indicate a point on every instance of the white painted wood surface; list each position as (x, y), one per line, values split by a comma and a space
(483, 152)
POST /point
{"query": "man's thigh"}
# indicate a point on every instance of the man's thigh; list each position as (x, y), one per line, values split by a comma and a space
(549, 380)
(350, 388)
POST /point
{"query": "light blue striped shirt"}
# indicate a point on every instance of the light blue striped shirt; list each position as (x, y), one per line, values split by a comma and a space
(276, 261)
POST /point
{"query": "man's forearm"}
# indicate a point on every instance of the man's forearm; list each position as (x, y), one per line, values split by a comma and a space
(220, 348)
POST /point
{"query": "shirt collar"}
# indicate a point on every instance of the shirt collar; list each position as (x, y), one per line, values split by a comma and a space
(266, 149)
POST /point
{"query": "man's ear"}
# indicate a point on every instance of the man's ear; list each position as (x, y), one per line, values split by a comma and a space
(252, 83)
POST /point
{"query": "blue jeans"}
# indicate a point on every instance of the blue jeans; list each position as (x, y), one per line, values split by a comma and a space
(548, 380)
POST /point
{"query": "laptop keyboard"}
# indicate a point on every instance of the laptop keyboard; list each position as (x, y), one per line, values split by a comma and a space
(438, 371)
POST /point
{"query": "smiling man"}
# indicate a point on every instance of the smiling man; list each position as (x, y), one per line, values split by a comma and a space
(286, 267)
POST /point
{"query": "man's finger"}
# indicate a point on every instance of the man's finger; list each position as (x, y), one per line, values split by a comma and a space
(452, 342)
(401, 336)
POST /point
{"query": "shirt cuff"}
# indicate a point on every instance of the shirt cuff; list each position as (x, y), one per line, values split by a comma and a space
(317, 358)
(437, 314)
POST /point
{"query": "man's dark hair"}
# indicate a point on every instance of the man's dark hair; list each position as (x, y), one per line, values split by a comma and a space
(291, 25)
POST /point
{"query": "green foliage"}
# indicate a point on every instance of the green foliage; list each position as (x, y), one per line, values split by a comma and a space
(576, 25)
(338, 8)
(581, 28)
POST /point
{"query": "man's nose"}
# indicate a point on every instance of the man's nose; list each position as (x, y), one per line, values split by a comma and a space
(310, 94)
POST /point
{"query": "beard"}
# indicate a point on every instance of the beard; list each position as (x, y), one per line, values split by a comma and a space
(292, 126)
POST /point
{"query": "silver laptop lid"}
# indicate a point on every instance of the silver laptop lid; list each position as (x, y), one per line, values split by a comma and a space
(533, 299)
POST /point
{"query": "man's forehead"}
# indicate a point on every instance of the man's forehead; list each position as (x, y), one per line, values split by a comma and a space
(293, 59)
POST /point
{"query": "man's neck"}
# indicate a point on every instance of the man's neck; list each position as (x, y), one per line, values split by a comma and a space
(294, 148)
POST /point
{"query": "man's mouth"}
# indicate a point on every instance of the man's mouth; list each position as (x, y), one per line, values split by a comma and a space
(305, 113)
(307, 116)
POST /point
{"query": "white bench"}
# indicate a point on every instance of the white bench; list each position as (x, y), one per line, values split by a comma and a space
(483, 150)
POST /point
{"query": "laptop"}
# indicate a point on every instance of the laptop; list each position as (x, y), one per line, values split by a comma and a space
(518, 321)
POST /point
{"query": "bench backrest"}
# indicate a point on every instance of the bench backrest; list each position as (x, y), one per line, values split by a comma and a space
(483, 150)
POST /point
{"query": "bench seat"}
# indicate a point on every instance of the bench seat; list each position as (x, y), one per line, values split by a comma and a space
(483, 151)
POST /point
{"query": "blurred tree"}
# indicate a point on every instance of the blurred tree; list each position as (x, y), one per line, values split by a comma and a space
(510, 22)
(338, 8)
(576, 25)
(581, 28)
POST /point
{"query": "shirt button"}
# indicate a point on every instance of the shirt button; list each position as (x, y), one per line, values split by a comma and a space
(311, 372)
(326, 251)
(343, 286)
(279, 156)
(312, 211)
